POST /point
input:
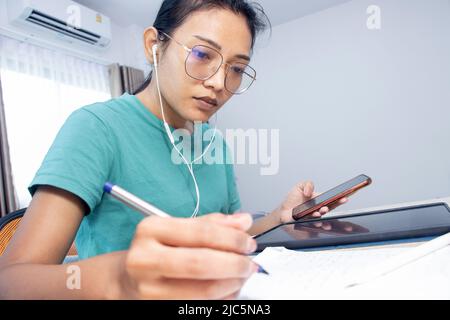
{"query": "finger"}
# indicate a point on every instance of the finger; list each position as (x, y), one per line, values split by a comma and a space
(242, 221)
(190, 289)
(316, 214)
(195, 233)
(308, 189)
(343, 200)
(152, 259)
(324, 210)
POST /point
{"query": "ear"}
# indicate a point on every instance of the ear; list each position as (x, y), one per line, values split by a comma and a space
(150, 39)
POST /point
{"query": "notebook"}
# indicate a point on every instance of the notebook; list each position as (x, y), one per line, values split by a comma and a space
(325, 274)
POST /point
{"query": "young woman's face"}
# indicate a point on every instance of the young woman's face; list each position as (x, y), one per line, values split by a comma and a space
(220, 29)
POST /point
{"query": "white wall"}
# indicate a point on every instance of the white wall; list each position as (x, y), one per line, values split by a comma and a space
(348, 100)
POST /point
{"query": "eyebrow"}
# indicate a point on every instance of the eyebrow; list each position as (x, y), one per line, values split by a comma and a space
(218, 47)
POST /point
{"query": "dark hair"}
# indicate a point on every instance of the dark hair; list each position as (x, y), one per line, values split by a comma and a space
(173, 13)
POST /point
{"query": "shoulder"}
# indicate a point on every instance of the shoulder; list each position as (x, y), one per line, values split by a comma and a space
(100, 115)
(102, 111)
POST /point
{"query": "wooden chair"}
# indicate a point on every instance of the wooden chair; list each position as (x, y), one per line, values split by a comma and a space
(8, 226)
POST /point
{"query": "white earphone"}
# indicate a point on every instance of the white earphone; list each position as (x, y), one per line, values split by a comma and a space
(172, 139)
(154, 50)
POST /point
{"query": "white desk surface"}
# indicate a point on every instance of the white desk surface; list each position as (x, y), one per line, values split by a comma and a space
(412, 283)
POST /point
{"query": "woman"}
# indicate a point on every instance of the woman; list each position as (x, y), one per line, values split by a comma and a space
(126, 141)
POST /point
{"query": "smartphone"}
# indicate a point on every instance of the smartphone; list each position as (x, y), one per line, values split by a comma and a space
(331, 196)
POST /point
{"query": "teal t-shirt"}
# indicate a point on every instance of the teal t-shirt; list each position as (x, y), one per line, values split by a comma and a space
(121, 141)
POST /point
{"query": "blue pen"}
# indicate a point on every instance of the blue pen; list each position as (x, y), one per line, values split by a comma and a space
(142, 206)
(132, 201)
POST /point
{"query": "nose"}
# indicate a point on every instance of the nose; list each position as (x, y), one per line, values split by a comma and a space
(217, 81)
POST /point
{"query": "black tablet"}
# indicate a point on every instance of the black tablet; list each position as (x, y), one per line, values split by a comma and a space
(382, 225)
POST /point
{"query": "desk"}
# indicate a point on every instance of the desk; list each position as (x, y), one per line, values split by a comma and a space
(428, 278)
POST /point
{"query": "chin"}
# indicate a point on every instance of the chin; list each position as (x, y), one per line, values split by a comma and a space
(200, 115)
(201, 119)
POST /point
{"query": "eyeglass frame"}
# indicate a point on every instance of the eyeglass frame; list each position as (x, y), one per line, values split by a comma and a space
(189, 50)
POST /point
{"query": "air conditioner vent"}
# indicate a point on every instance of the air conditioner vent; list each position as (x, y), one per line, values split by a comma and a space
(51, 23)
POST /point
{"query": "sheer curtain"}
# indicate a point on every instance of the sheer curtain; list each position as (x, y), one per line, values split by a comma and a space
(124, 79)
(41, 87)
(8, 196)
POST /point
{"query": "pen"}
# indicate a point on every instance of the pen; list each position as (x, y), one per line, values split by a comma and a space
(142, 206)
(132, 201)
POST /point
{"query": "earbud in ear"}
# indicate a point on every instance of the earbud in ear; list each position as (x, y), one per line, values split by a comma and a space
(154, 50)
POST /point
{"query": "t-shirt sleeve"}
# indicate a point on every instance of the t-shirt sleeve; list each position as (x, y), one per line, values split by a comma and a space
(79, 160)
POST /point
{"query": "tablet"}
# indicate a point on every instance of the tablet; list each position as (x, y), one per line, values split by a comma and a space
(382, 225)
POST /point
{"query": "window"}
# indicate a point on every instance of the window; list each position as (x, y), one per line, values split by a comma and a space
(41, 87)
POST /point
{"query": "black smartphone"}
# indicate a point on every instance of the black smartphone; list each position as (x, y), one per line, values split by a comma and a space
(331, 196)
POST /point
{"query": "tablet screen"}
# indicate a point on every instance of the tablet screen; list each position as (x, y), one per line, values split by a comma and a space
(385, 225)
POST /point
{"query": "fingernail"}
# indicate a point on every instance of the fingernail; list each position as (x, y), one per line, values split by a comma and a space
(245, 217)
(251, 245)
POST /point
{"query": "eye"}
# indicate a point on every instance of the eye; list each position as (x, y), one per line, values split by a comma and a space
(200, 54)
(238, 70)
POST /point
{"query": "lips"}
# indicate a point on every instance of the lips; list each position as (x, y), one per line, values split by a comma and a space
(211, 102)
(206, 103)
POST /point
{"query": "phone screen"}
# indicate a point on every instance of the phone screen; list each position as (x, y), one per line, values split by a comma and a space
(314, 202)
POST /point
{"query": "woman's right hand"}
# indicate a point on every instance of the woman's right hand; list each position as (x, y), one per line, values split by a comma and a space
(202, 258)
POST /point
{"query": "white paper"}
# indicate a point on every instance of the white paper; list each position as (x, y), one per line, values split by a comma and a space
(324, 274)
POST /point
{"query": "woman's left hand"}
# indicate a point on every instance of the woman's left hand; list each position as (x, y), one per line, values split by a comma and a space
(301, 193)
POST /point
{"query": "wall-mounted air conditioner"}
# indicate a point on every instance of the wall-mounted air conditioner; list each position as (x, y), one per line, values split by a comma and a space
(62, 21)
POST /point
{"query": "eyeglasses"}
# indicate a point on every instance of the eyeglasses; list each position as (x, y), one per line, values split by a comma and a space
(203, 62)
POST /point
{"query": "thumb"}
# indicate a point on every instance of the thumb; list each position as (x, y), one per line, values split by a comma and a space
(241, 221)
